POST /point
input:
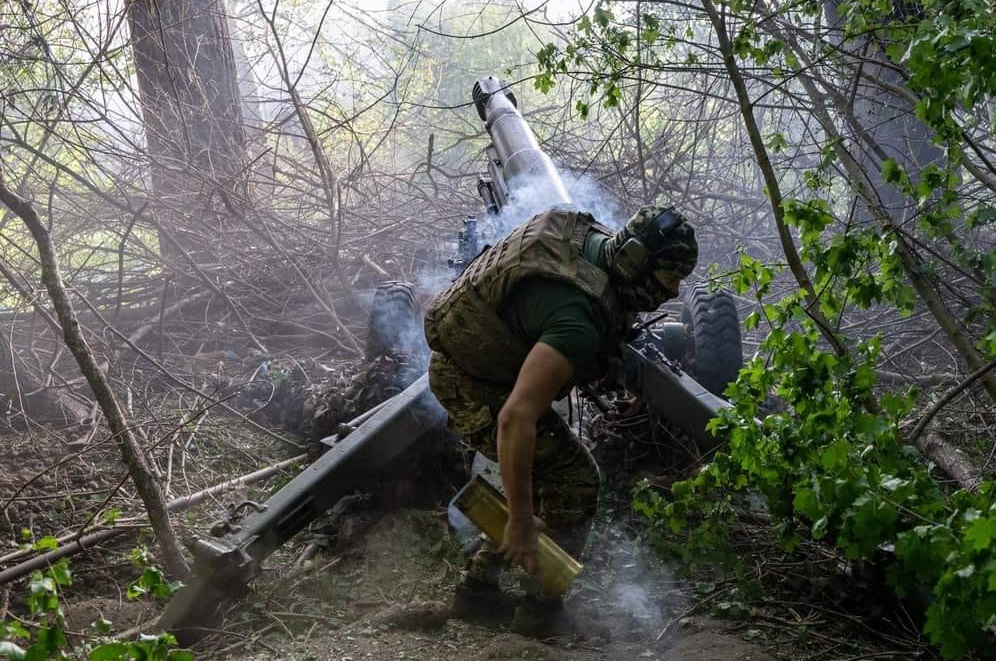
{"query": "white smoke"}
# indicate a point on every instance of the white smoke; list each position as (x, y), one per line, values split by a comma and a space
(588, 195)
(528, 198)
(531, 197)
(431, 281)
(635, 591)
(635, 600)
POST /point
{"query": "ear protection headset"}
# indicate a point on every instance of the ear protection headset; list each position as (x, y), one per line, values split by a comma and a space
(630, 259)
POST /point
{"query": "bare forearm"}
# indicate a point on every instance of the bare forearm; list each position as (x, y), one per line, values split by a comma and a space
(516, 447)
(540, 378)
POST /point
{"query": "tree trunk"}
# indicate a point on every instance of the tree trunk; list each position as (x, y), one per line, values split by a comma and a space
(131, 452)
(189, 87)
(888, 125)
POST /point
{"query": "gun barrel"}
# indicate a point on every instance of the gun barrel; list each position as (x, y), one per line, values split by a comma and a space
(522, 161)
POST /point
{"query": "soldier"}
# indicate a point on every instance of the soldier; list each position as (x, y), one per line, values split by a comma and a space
(547, 308)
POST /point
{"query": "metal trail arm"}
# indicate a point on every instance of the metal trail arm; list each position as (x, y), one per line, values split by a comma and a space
(673, 394)
(223, 563)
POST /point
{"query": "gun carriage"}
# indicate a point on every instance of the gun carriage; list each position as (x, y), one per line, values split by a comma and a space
(676, 367)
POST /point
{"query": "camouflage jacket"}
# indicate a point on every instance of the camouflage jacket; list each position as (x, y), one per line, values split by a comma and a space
(464, 322)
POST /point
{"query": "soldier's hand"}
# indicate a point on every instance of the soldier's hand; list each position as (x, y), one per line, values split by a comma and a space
(521, 541)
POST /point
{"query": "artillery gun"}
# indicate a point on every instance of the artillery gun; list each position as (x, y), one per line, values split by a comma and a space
(659, 367)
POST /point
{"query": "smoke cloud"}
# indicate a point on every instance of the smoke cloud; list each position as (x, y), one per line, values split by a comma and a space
(529, 198)
(625, 589)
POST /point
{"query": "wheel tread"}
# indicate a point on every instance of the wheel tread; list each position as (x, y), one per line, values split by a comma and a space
(715, 353)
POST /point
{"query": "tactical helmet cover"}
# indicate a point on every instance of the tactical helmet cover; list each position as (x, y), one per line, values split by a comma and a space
(650, 255)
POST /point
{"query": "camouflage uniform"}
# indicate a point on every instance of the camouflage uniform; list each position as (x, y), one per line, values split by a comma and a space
(476, 357)
(565, 476)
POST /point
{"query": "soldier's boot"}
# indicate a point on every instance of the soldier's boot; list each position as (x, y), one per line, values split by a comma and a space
(480, 598)
(481, 602)
(542, 617)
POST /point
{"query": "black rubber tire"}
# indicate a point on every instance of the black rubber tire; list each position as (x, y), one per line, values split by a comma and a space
(395, 322)
(713, 353)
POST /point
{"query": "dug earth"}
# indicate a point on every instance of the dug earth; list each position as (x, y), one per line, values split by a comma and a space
(386, 598)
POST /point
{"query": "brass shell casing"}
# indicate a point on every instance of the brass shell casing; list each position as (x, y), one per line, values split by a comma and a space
(486, 507)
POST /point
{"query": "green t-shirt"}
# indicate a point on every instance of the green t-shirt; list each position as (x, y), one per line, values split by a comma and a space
(560, 314)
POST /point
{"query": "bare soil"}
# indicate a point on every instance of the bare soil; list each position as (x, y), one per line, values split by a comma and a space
(387, 598)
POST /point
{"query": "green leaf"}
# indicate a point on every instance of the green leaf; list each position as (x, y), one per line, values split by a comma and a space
(981, 533)
(60, 572)
(603, 17)
(180, 655)
(982, 216)
(990, 344)
(101, 626)
(651, 28)
(139, 556)
(836, 456)
(613, 94)
(543, 82)
(115, 651)
(47, 543)
(777, 142)
(891, 171)
(51, 639)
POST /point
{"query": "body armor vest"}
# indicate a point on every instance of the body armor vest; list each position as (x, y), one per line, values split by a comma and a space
(464, 322)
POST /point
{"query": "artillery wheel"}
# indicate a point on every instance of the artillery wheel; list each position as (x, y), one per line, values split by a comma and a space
(395, 322)
(395, 355)
(713, 353)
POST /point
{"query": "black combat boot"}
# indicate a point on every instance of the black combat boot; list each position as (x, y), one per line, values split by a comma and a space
(542, 617)
(482, 602)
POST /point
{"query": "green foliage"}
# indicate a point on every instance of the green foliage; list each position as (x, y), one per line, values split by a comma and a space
(151, 581)
(749, 44)
(947, 48)
(667, 518)
(831, 466)
(602, 45)
(942, 218)
(951, 59)
(146, 648)
(43, 636)
(834, 464)
(777, 142)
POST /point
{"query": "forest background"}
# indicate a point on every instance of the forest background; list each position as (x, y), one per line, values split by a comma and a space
(194, 184)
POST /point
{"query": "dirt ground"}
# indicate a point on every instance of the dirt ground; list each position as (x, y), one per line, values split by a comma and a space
(388, 599)
(380, 591)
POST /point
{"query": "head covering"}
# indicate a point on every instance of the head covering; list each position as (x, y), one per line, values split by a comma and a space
(648, 257)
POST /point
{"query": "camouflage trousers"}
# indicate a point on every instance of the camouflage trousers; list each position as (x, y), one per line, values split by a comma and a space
(565, 477)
